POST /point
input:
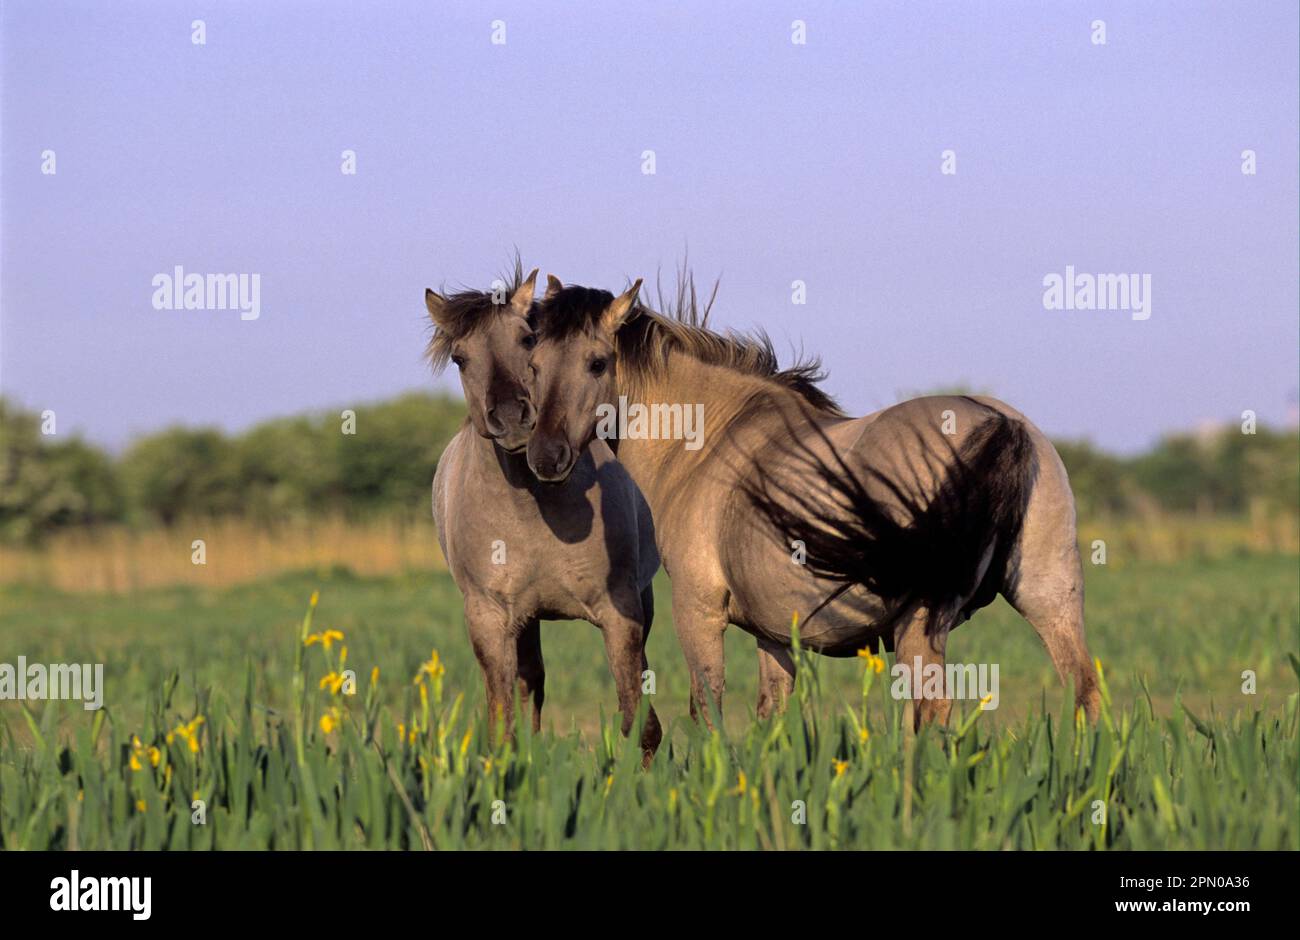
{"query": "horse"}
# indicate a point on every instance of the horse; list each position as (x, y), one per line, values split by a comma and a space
(888, 529)
(522, 551)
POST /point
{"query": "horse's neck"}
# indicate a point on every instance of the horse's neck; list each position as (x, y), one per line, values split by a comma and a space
(661, 468)
(485, 457)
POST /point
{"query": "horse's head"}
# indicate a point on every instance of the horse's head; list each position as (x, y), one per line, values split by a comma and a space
(574, 369)
(489, 337)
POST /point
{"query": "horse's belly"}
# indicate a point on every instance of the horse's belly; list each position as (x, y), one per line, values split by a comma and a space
(768, 588)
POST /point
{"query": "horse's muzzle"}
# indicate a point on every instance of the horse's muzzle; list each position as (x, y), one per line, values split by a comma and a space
(551, 460)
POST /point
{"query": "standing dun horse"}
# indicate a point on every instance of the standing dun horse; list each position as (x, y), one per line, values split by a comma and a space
(889, 529)
(522, 551)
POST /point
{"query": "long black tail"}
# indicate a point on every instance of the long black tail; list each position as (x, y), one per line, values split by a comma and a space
(930, 552)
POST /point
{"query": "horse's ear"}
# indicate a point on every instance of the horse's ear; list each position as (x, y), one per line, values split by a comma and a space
(521, 302)
(437, 305)
(617, 312)
(553, 286)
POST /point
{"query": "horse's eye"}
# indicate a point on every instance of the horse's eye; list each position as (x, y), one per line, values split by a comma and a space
(459, 361)
(598, 366)
(528, 341)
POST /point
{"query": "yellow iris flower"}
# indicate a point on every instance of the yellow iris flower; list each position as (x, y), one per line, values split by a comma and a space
(326, 638)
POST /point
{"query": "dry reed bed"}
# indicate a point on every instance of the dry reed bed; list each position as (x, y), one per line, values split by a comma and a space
(120, 559)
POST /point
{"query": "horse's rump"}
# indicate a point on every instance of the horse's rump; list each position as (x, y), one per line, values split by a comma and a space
(916, 516)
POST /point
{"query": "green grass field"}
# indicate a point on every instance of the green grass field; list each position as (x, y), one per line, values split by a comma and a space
(1183, 758)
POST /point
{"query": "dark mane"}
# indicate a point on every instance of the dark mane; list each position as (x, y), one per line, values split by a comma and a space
(646, 339)
(466, 311)
(572, 310)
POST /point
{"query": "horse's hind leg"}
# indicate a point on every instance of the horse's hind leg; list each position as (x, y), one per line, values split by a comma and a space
(1045, 583)
(1050, 597)
(532, 671)
(916, 650)
(775, 677)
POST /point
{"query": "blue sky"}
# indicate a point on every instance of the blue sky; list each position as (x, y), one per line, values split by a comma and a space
(775, 162)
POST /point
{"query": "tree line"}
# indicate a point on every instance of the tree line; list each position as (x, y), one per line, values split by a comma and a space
(382, 458)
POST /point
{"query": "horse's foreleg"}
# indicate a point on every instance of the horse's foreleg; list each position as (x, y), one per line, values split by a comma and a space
(625, 637)
(700, 630)
(496, 649)
(913, 647)
(531, 669)
(775, 677)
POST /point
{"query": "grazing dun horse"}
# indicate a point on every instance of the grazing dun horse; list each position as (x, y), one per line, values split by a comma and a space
(884, 530)
(520, 550)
